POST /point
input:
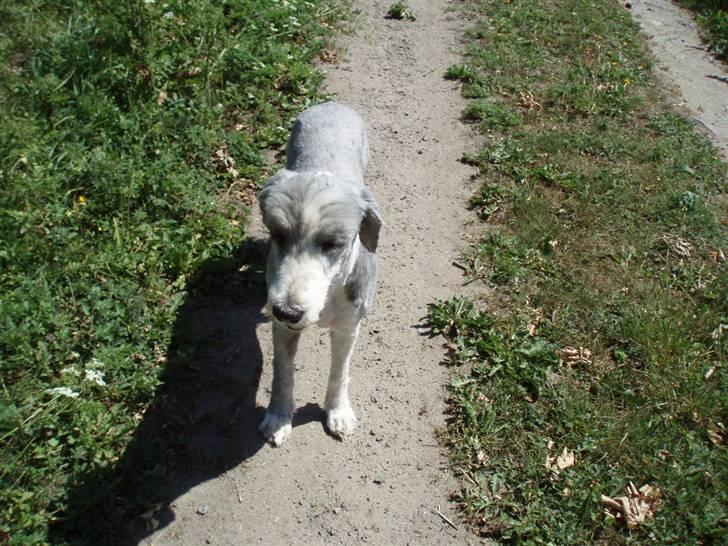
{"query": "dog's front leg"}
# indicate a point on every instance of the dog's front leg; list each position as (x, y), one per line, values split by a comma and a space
(276, 425)
(340, 418)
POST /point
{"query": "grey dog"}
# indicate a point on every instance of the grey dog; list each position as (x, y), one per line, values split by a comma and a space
(324, 227)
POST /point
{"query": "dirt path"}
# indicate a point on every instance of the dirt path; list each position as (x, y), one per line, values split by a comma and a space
(381, 485)
(699, 79)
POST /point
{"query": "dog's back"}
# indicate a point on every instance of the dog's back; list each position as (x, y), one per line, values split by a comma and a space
(329, 137)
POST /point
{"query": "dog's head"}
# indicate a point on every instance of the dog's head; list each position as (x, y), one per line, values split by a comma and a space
(317, 225)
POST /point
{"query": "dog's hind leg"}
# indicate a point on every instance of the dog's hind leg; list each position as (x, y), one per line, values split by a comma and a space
(276, 425)
(340, 418)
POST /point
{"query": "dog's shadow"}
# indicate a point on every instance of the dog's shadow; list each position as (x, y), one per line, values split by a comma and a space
(203, 419)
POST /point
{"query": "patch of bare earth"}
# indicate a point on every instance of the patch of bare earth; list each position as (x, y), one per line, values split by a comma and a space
(386, 483)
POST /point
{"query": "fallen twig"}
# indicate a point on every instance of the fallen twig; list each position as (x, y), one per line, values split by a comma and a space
(463, 383)
(467, 475)
(460, 266)
(445, 518)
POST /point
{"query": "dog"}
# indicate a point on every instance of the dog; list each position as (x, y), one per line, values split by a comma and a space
(324, 228)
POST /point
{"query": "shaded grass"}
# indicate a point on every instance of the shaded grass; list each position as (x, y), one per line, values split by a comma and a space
(606, 215)
(131, 136)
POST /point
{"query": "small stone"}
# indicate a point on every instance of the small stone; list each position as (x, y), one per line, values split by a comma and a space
(202, 510)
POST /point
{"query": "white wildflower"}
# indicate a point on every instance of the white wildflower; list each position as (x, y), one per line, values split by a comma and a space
(95, 376)
(63, 391)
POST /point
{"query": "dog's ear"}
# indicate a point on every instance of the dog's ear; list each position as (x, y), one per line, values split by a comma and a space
(371, 223)
(274, 180)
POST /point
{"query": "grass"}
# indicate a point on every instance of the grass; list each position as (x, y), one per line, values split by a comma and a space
(712, 16)
(401, 11)
(604, 329)
(131, 136)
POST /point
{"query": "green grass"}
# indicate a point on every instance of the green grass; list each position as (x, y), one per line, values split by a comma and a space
(401, 12)
(490, 115)
(131, 134)
(606, 230)
(712, 16)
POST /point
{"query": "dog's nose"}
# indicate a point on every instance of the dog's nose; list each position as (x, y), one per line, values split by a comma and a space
(291, 314)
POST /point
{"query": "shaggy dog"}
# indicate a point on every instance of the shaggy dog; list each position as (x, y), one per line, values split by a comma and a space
(324, 227)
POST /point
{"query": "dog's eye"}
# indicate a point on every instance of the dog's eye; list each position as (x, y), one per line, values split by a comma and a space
(331, 245)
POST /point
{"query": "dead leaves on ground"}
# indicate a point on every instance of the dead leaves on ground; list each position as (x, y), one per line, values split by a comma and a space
(328, 56)
(162, 97)
(224, 161)
(242, 189)
(535, 322)
(634, 508)
(716, 434)
(679, 246)
(717, 255)
(528, 101)
(558, 463)
(576, 356)
(714, 430)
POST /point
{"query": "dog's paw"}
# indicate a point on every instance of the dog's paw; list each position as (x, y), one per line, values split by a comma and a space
(341, 421)
(275, 428)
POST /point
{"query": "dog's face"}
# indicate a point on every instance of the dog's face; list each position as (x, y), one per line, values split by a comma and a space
(317, 225)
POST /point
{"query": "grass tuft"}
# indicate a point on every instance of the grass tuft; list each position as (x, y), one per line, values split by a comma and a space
(401, 12)
(490, 115)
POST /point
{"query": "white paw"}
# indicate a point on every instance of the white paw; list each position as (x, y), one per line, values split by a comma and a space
(275, 428)
(341, 421)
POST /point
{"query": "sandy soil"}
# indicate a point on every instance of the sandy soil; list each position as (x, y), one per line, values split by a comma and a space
(699, 81)
(382, 485)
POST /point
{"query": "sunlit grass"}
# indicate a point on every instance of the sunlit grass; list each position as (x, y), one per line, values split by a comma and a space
(606, 240)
